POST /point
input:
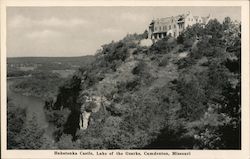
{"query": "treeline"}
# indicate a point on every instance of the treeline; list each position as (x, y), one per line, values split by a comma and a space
(46, 63)
(41, 84)
(23, 133)
(13, 72)
(154, 98)
(46, 60)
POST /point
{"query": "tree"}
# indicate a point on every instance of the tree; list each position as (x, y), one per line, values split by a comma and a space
(188, 37)
(31, 136)
(66, 142)
(145, 34)
(16, 118)
(214, 28)
(227, 23)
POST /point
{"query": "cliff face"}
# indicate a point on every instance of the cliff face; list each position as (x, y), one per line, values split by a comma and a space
(135, 95)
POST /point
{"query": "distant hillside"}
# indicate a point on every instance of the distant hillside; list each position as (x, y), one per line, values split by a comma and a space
(79, 59)
(45, 74)
(176, 94)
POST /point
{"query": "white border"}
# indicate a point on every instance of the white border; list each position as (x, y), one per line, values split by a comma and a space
(196, 154)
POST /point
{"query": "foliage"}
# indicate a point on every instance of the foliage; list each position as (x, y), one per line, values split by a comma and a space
(188, 37)
(15, 122)
(163, 46)
(135, 36)
(164, 61)
(31, 136)
(70, 89)
(66, 142)
(58, 117)
(23, 134)
(160, 100)
(16, 73)
(41, 84)
(206, 94)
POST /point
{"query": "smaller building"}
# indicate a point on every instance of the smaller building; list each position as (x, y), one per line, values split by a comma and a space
(174, 25)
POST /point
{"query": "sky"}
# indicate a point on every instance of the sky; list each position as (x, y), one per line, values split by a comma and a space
(79, 31)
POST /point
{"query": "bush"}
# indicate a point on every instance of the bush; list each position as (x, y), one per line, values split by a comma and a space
(58, 117)
(180, 39)
(163, 46)
(16, 118)
(140, 68)
(185, 62)
(164, 61)
(188, 37)
(66, 142)
(31, 136)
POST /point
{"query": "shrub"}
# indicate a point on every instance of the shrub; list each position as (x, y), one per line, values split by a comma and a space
(16, 118)
(140, 68)
(163, 46)
(164, 61)
(185, 62)
(66, 142)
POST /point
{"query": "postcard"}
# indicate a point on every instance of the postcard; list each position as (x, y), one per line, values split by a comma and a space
(125, 79)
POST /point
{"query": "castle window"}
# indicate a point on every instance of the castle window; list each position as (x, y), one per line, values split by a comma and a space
(169, 26)
(160, 28)
(155, 28)
(174, 26)
(172, 20)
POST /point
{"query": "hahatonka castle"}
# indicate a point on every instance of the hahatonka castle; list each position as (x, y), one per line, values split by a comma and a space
(174, 25)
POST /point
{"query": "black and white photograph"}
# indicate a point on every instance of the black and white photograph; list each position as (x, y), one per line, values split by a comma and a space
(124, 78)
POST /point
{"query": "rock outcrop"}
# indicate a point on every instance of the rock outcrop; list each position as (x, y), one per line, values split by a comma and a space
(91, 105)
(84, 120)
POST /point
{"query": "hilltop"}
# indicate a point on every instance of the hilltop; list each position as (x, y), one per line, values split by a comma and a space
(177, 93)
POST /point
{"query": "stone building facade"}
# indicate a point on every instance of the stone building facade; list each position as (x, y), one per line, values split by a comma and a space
(174, 25)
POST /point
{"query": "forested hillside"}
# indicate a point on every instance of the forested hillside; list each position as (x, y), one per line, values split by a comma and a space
(177, 94)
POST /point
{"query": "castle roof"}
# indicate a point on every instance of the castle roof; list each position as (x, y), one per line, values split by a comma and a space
(179, 17)
(196, 17)
(205, 19)
(164, 20)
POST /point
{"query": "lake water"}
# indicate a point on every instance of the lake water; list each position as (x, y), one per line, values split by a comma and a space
(34, 107)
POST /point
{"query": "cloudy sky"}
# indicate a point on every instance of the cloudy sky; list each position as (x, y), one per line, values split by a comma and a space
(78, 31)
